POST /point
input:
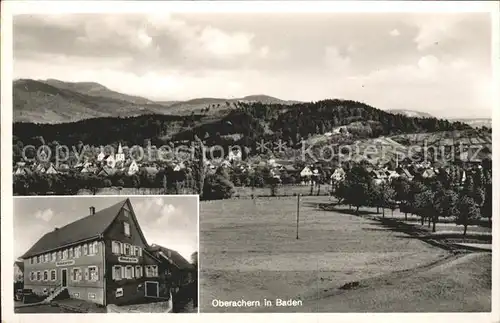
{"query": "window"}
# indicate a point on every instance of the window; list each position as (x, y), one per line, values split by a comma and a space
(32, 275)
(53, 275)
(117, 272)
(38, 276)
(40, 259)
(139, 251)
(126, 213)
(115, 247)
(76, 295)
(46, 258)
(71, 253)
(85, 250)
(132, 250)
(91, 248)
(126, 249)
(31, 260)
(76, 274)
(126, 229)
(129, 272)
(93, 273)
(54, 257)
(59, 255)
(65, 254)
(151, 271)
(46, 275)
(91, 295)
(96, 248)
(78, 251)
(119, 292)
(138, 271)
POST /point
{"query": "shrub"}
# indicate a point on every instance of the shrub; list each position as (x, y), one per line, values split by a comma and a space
(217, 187)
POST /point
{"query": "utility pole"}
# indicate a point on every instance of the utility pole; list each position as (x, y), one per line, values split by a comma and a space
(298, 212)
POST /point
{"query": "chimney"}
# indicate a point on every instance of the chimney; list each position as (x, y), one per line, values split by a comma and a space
(92, 210)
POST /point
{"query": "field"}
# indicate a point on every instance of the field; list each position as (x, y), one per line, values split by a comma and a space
(249, 251)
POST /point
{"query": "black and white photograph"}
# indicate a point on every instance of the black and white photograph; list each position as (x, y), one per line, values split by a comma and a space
(342, 161)
(106, 254)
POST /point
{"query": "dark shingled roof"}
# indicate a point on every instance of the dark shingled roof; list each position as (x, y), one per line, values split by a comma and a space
(20, 264)
(177, 260)
(83, 229)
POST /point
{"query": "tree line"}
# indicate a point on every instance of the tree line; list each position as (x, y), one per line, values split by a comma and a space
(253, 121)
(431, 199)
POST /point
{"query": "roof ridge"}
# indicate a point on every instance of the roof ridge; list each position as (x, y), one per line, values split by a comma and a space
(96, 213)
(85, 228)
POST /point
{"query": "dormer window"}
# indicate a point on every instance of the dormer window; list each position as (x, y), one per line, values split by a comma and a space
(126, 229)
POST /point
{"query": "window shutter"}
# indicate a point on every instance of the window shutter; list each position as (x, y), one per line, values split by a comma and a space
(113, 276)
(97, 272)
(121, 248)
(123, 272)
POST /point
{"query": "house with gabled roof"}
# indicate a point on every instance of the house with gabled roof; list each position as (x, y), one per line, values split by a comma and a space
(338, 176)
(105, 171)
(428, 173)
(23, 171)
(100, 258)
(173, 265)
(51, 170)
(133, 168)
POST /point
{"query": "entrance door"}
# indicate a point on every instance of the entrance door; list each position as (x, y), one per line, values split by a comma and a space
(152, 289)
(64, 277)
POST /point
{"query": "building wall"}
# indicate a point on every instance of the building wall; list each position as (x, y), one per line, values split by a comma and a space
(126, 290)
(77, 289)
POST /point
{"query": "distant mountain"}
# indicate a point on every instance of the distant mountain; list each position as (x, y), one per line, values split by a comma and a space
(220, 105)
(96, 89)
(411, 113)
(55, 101)
(476, 122)
(40, 102)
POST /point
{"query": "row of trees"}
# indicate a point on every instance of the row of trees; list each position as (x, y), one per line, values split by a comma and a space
(430, 199)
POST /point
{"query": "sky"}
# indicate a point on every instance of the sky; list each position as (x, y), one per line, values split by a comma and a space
(170, 221)
(436, 63)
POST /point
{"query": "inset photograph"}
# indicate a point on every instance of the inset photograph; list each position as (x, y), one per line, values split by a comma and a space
(117, 254)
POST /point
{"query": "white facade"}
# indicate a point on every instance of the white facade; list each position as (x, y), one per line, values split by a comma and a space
(306, 172)
(120, 156)
(133, 168)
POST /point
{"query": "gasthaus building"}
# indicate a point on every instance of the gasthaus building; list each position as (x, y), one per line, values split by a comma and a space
(101, 258)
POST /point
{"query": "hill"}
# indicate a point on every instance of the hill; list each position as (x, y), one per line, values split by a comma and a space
(244, 124)
(477, 122)
(40, 102)
(55, 101)
(218, 105)
(411, 113)
(96, 89)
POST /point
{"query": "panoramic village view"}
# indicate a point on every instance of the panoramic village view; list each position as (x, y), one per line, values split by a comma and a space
(365, 187)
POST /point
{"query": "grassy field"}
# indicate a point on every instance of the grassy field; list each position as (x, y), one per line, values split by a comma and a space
(249, 251)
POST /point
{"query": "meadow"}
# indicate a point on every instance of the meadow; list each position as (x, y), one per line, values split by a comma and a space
(249, 250)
